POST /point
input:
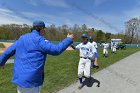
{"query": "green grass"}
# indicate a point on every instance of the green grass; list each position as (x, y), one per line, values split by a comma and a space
(61, 71)
(1, 45)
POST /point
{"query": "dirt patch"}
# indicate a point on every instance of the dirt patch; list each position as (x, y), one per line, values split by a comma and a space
(1, 51)
(6, 45)
(69, 48)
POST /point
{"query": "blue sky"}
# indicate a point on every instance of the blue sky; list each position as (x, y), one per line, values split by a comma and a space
(107, 15)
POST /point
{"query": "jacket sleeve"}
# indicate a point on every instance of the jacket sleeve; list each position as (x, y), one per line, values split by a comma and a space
(52, 49)
(10, 51)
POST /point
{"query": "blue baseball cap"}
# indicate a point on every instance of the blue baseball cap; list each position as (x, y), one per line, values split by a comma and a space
(39, 23)
(91, 38)
(84, 35)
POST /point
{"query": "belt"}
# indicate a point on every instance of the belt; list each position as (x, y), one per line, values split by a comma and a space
(84, 57)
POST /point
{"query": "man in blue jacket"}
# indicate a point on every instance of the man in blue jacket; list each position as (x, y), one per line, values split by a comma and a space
(30, 52)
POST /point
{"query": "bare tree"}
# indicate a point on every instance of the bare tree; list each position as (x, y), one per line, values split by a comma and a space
(132, 30)
(84, 27)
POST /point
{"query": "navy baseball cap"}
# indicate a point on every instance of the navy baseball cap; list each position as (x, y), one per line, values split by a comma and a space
(39, 23)
(84, 35)
(90, 38)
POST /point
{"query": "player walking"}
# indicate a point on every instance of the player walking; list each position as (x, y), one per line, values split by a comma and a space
(114, 47)
(94, 50)
(105, 49)
(85, 59)
(111, 46)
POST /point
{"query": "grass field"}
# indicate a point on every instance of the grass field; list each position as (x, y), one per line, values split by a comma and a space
(1, 45)
(61, 71)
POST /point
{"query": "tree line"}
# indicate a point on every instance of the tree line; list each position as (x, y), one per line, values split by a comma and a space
(57, 33)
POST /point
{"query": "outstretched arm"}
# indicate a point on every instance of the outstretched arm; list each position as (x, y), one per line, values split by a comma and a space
(75, 47)
(72, 46)
(10, 51)
(52, 49)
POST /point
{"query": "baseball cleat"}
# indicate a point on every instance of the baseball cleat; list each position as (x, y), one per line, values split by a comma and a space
(80, 86)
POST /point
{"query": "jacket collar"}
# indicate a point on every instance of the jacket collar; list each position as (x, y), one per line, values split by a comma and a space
(35, 31)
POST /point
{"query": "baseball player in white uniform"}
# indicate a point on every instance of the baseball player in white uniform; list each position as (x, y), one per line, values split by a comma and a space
(94, 50)
(105, 49)
(85, 59)
(114, 46)
(111, 47)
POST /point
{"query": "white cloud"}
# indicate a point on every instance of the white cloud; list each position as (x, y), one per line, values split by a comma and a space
(8, 17)
(5, 10)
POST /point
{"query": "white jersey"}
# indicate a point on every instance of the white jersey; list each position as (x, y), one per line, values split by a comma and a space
(105, 46)
(94, 47)
(85, 49)
(111, 44)
(114, 45)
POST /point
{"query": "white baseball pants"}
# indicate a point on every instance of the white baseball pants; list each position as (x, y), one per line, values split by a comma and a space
(114, 49)
(105, 51)
(84, 67)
